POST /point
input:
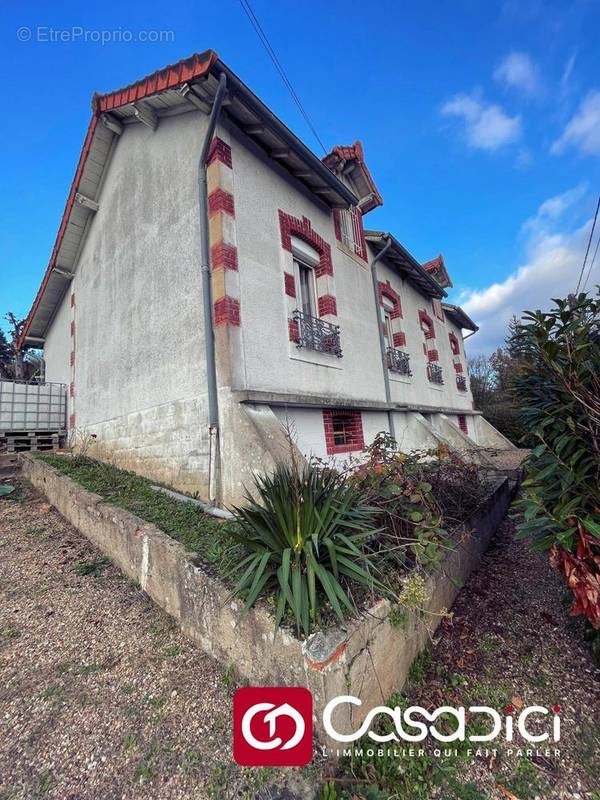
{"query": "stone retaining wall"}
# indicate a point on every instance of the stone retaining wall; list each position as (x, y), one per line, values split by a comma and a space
(369, 660)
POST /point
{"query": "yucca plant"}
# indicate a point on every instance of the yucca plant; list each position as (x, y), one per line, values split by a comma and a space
(306, 533)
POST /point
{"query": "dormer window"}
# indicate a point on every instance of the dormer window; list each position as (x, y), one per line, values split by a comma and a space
(351, 230)
(348, 163)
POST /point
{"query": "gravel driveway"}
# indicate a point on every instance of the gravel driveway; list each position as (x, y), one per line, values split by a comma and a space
(100, 694)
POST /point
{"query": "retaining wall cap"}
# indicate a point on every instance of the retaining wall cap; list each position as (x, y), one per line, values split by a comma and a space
(324, 648)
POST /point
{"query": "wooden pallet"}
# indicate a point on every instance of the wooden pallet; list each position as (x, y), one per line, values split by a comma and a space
(31, 441)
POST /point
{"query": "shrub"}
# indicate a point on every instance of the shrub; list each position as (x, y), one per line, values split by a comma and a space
(559, 386)
(306, 535)
(416, 496)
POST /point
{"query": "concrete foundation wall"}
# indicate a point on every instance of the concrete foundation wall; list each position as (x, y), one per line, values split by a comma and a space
(370, 659)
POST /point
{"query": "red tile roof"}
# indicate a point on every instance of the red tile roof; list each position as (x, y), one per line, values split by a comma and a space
(355, 152)
(167, 78)
(437, 269)
(434, 264)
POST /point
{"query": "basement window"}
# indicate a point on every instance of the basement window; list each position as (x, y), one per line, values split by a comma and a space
(343, 431)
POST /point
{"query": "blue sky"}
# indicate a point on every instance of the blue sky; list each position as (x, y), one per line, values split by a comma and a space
(480, 123)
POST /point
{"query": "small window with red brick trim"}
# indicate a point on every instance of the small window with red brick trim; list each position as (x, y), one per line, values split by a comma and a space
(343, 431)
(462, 423)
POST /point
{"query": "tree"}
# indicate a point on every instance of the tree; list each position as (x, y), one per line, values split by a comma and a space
(5, 356)
(17, 352)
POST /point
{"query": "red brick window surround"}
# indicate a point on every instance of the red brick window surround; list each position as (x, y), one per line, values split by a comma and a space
(462, 424)
(426, 324)
(343, 431)
(454, 345)
(292, 226)
(386, 290)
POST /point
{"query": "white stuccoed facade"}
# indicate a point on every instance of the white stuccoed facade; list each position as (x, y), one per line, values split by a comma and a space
(128, 333)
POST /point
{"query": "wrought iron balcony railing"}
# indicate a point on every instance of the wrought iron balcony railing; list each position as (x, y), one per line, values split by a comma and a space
(461, 383)
(435, 373)
(317, 334)
(398, 361)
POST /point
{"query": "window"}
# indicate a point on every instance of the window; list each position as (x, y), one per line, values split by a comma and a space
(437, 309)
(351, 231)
(462, 424)
(343, 431)
(306, 282)
(388, 310)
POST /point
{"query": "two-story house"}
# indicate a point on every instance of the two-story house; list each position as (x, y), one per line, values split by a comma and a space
(212, 283)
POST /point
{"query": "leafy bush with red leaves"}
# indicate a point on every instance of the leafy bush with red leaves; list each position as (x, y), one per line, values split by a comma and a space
(559, 385)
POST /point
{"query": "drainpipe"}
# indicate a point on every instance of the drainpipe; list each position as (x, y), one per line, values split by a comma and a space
(386, 377)
(209, 333)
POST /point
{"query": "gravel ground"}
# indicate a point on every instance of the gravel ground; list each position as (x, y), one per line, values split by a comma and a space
(511, 641)
(101, 697)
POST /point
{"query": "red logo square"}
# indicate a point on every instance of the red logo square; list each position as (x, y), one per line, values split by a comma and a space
(272, 726)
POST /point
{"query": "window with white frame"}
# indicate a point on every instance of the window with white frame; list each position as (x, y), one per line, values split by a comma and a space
(305, 280)
(351, 230)
(388, 309)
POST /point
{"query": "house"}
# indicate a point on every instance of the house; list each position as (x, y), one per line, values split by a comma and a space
(213, 282)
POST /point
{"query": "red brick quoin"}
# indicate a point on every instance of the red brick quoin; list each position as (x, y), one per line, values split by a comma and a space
(219, 151)
(227, 310)
(220, 200)
(354, 428)
(223, 256)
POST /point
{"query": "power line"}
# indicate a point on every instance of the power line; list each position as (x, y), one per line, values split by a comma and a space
(587, 277)
(277, 64)
(588, 245)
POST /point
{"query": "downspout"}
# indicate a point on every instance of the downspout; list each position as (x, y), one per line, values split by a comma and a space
(209, 333)
(386, 377)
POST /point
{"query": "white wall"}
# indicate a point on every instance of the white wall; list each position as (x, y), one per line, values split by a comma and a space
(139, 356)
(57, 348)
(273, 362)
(418, 389)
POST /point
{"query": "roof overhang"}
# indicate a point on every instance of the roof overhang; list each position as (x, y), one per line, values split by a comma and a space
(457, 315)
(406, 264)
(349, 160)
(188, 85)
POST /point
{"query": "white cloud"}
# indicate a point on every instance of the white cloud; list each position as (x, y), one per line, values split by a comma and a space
(518, 71)
(583, 130)
(487, 126)
(552, 262)
(552, 209)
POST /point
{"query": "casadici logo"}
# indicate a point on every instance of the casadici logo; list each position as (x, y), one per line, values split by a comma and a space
(272, 727)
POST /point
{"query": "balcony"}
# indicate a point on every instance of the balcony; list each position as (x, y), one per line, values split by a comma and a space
(398, 361)
(317, 334)
(435, 374)
(461, 383)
